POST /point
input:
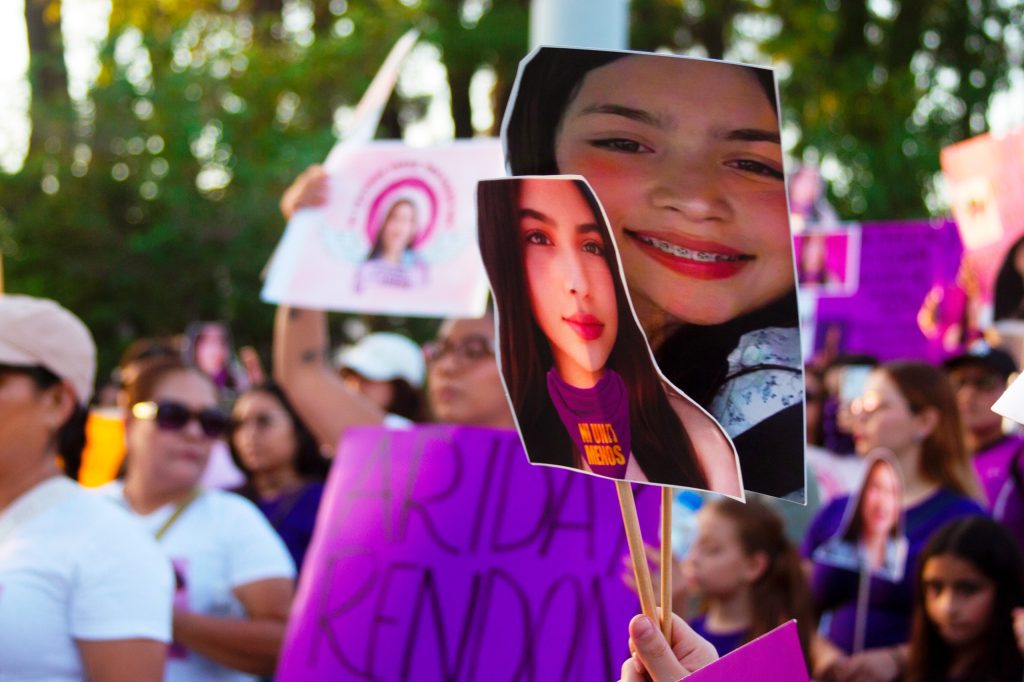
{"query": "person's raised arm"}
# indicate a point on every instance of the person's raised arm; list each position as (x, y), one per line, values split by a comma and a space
(317, 392)
(301, 343)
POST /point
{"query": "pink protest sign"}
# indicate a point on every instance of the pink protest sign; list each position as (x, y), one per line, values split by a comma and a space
(397, 234)
(774, 657)
(907, 302)
(985, 175)
(828, 261)
(440, 553)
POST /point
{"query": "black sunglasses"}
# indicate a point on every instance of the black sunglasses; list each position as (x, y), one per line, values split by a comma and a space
(174, 416)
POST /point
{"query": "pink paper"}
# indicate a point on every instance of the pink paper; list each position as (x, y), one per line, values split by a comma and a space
(774, 657)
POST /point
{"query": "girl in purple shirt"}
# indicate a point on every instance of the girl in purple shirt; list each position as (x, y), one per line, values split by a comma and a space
(282, 463)
(748, 575)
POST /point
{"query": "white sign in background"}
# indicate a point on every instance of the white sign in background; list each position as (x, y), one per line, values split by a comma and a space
(334, 257)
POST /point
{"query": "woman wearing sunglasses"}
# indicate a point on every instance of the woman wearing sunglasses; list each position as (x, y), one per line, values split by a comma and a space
(282, 464)
(84, 593)
(234, 575)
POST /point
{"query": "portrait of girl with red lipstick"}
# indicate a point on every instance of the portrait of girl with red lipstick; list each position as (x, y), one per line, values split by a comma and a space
(579, 374)
(685, 156)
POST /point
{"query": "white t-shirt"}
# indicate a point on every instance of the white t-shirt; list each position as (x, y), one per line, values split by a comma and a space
(73, 567)
(220, 542)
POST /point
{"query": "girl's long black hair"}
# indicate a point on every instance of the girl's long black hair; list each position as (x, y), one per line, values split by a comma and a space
(992, 551)
(660, 444)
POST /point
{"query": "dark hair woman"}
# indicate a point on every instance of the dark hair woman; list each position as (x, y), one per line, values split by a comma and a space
(282, 462)
(234, 575)
(574, 332)
(1008, 296)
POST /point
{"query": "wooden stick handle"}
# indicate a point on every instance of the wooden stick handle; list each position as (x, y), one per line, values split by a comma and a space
(644, 587)
(666, 563)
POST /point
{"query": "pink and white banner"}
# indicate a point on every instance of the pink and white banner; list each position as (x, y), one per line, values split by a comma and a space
(396, 236)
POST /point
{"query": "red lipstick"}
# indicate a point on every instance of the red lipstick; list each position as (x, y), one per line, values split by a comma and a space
(587, 326)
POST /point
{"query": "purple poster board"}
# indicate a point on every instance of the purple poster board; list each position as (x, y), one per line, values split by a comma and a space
(440, 553)
(828, 261)
(900, 263)
(774, 657)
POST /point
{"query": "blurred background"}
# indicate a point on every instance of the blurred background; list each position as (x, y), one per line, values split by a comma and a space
(144, 144)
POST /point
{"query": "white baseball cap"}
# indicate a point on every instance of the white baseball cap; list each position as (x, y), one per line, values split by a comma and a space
(40, 332)
(383, 356)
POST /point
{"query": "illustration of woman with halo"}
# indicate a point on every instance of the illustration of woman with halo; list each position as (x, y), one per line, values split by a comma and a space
(580, 377)
(392, 261)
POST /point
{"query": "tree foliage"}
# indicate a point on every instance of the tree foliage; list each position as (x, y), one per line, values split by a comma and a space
(153, 202)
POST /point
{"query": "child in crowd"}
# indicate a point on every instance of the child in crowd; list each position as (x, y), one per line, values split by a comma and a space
(748, 574)
(970, 578)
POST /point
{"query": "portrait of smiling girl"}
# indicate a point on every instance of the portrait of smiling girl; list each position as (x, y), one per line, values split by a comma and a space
(392, 261)
(685, 156)
(579, 373)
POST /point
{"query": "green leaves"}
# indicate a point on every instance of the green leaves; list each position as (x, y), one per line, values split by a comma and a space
(161, 190)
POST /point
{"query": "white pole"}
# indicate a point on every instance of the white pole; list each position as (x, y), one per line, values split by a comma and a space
(580, 23)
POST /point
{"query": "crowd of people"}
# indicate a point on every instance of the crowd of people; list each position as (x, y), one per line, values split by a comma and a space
(159, 574)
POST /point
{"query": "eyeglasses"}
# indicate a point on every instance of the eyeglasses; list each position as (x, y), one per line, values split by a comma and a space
(870, 403)
(986, 382)
(174, 416)
(472, 348)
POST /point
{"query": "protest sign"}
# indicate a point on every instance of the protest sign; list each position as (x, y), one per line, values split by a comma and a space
(828, 261)
(396, 235)
(1011, 402)
(580, 377)
(716, 276)
(441, 554)
(902, 263)
(985, 176)
(772, 657)
(872, 539)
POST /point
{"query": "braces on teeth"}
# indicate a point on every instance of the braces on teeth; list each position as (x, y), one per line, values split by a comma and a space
(690, 254)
